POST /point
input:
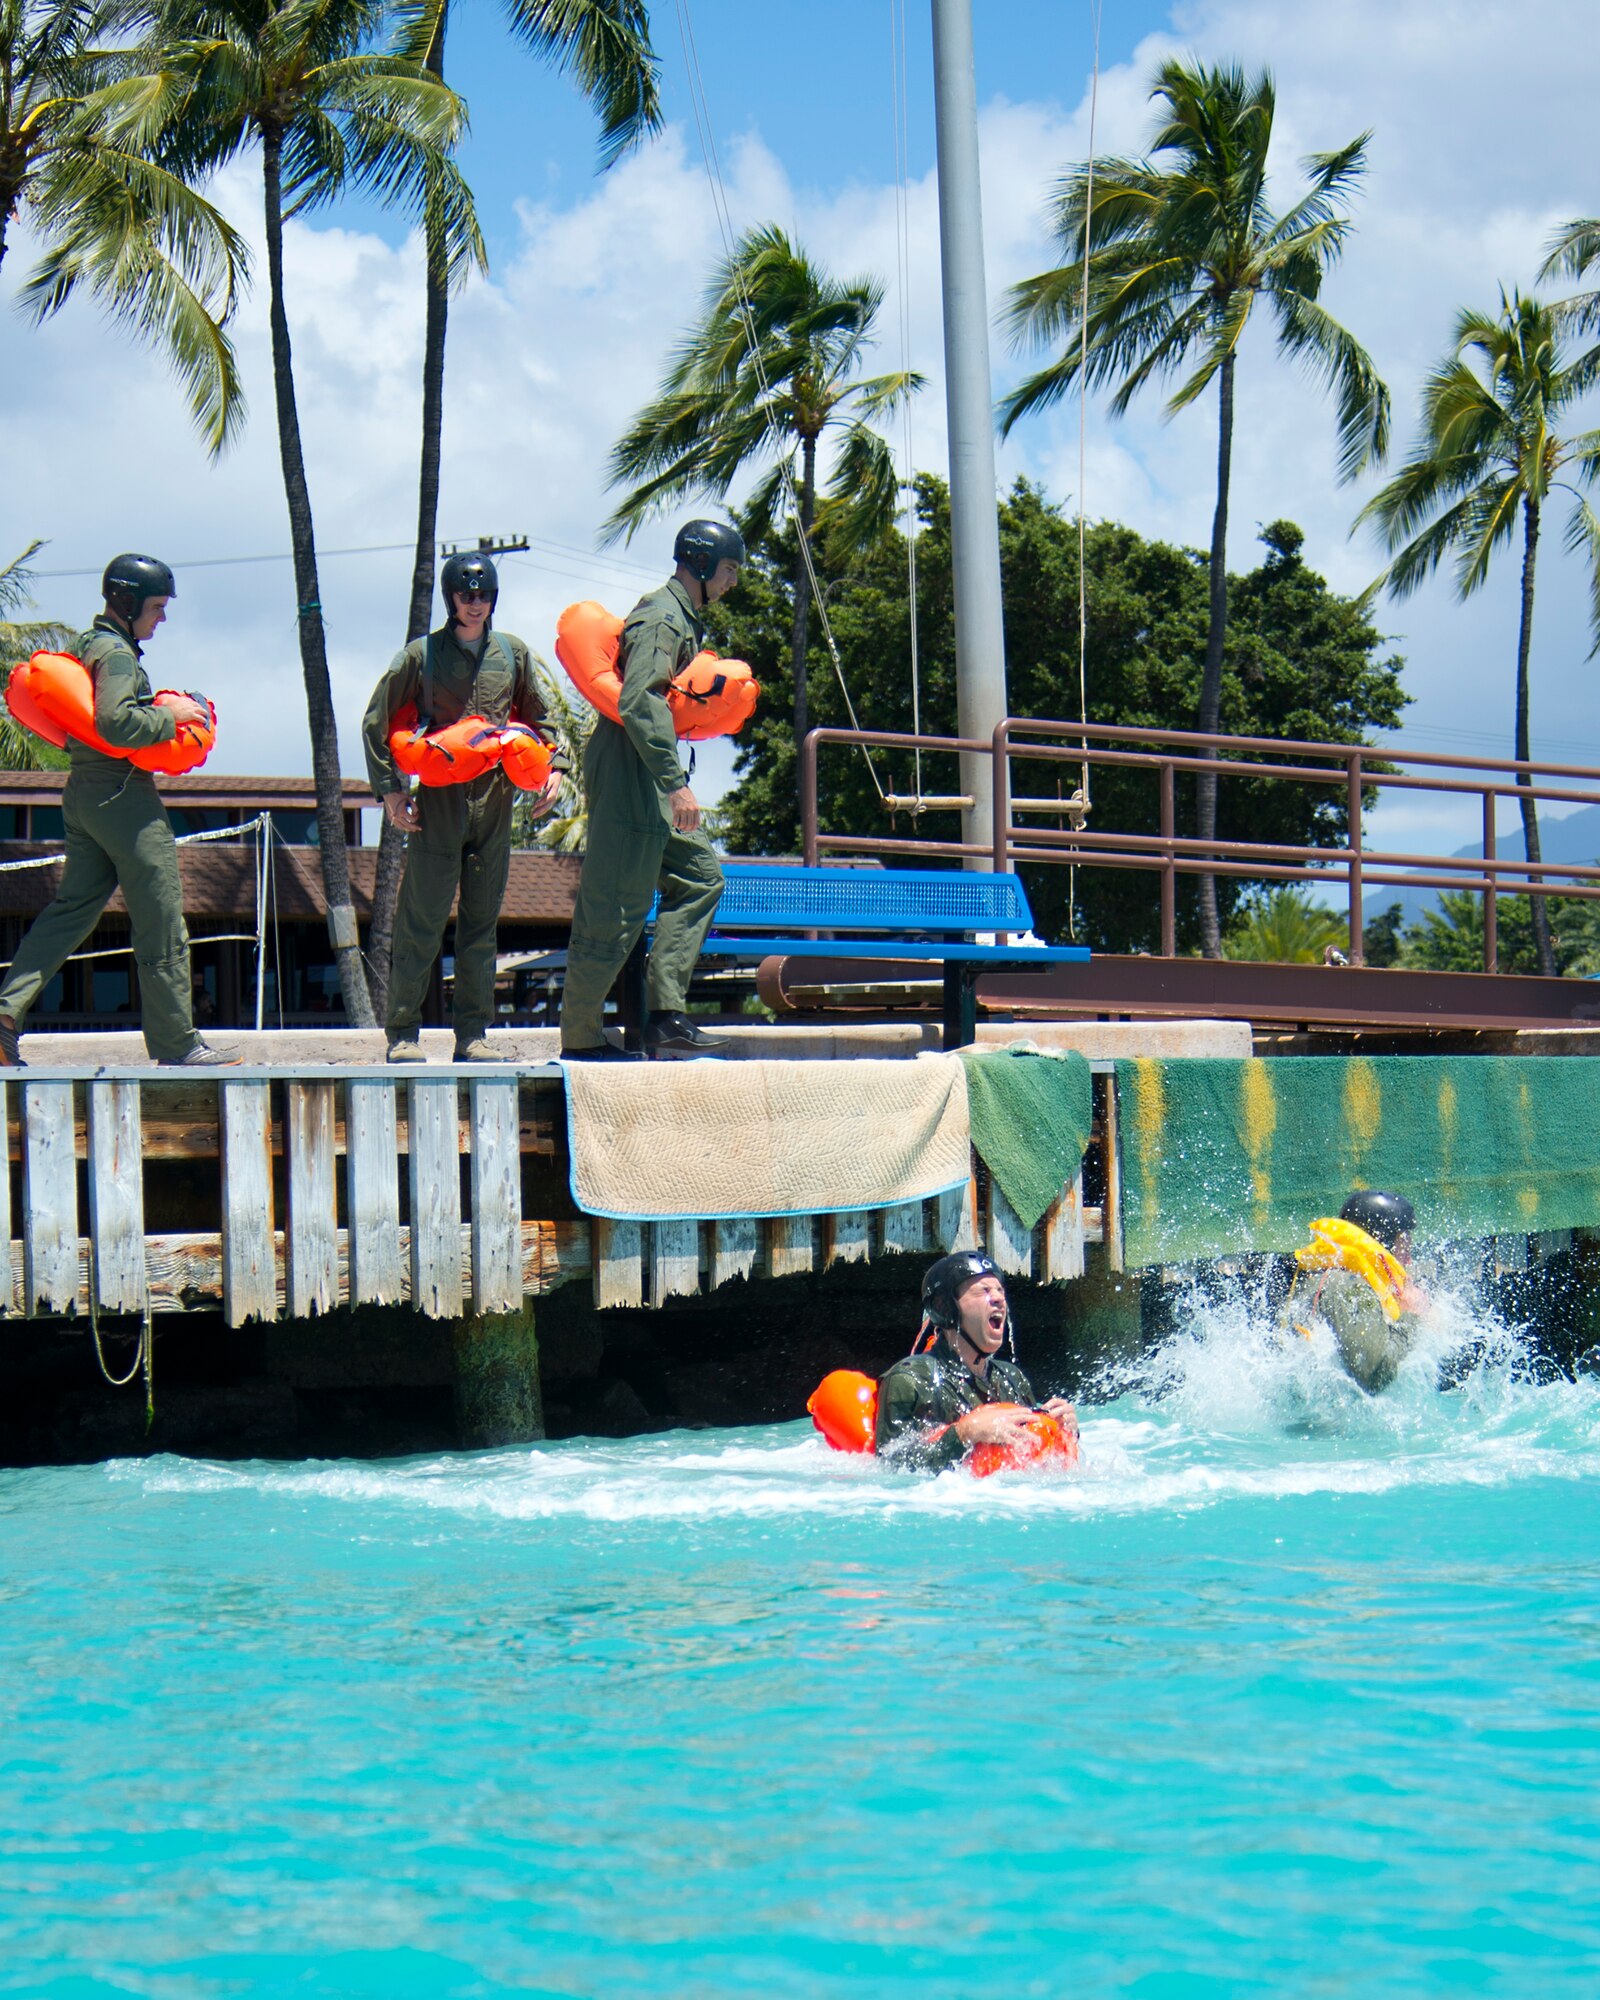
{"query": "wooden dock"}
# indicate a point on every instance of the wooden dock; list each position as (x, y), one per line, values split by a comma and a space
(274, 1191)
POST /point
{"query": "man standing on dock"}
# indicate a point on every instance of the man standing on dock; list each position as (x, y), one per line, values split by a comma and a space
(644, 822)
(460, 834)
(118, 835)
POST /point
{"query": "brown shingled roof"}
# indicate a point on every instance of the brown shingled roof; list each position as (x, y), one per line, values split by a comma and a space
(197, 788)
(219, 882)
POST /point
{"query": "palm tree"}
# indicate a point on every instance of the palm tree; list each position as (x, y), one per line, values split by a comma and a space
(565, 829)
(1286, 928)
(605, 46)
(1180, 246)
(20, 749)
(1574, 251)
(154, 252)
(299, 79)
(766, 372)
(1489, 454)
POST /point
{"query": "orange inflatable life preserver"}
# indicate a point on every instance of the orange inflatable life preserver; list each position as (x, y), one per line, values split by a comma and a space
(527, 757)
(709, 697)
(53, 695)
(844, 1407)
(454, 755)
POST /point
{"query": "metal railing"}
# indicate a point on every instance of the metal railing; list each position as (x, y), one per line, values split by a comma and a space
(1171, 754)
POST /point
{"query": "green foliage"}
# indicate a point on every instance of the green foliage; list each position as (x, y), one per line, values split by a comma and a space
(1450, 938)
(1490, 447)
(769, 367)
(565, 828)
(1285, 927)
(113, 217)
(1384, 938)
(1302, 662)
(1183, 245)
(20, 749)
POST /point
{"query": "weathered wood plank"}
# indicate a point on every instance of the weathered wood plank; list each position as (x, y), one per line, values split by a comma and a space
(116, 1194)
(735, 1248)
(905, 1227)
(1111, 1151)
(1062, 1236)
(496, 1198)
(313, 1203)
(847, 1239)
(957, 1223)
(791, 1245)
(674, 1260)
(50, 1199)
(186, 1274)
(436, 1287)
(378, 1273)
(618, 1252)
(249, 1255)
(1010, 1240)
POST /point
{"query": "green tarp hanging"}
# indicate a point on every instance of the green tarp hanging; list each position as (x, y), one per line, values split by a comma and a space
(1219, 1157)
(1031, 1114)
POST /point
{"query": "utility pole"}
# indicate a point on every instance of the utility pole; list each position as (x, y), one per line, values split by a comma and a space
(969, 405)
(487, 545)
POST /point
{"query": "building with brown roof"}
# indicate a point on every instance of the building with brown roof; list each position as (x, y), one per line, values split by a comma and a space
(247, 897)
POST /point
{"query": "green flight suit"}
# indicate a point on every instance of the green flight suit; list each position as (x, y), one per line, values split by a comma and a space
(462, 841)
(629, 772)
(117, 836)
(927, 1390)
(1371, 1345)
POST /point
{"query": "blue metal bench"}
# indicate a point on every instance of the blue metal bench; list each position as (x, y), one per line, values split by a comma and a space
(926, 913)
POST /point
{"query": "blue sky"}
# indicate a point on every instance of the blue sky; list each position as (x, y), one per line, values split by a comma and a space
(1481, 145)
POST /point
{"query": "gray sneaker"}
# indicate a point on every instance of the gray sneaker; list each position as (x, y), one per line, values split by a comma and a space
(200, 1057)
(405, 1048)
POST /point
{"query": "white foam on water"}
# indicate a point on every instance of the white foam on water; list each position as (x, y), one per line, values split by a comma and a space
(1226, 1407)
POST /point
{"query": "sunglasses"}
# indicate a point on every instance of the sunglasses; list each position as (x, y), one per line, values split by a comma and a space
(475, 596)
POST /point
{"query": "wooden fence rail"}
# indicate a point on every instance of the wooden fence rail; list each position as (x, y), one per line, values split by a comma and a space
(299, 1236)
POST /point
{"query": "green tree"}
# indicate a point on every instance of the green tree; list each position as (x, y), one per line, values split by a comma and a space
(1384, 938)
(767, 372)
(1489, 457)
(565, 828)
(1302, 662)
(1180, 247)
(1285, 927)
(605, 46)
(20, 749)
(154, 253)
(300, 80)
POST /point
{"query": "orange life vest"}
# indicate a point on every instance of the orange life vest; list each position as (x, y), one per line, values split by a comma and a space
(527, 757)
(709, 697)
(53, 695)
(844, 1407)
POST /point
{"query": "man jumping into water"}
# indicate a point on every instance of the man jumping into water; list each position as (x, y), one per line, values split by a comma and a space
(1372, 1337)
(933, 1406)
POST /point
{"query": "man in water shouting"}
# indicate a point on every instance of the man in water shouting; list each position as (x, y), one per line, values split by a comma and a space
(934, 1406)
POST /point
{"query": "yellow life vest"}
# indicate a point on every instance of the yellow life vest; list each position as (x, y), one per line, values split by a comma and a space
(1337, 1245)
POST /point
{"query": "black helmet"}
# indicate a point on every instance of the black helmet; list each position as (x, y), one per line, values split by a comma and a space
(945, 1281)
(701, 545)
(130, 579)
(1386, 1217)
(473, 571)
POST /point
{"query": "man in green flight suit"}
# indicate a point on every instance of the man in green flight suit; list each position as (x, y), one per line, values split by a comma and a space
(118, 835)
(644, 822)
(1371, 1341)
(460, 834)
(933, 1407)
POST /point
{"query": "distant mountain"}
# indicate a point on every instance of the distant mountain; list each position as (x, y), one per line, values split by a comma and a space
(1575, 838)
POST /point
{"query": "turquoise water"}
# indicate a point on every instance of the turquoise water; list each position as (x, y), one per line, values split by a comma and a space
(1286, 1692)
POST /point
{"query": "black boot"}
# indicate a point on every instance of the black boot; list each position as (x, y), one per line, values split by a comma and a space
(671, 1034)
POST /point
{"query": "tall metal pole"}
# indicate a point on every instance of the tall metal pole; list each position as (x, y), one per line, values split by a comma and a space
(969, 399)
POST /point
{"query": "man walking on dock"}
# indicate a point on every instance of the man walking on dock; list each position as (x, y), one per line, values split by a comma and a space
(644, 821)
(460, 834)
(118, 835)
